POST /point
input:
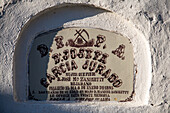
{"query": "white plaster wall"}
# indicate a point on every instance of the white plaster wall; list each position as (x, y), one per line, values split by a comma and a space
(149, 21)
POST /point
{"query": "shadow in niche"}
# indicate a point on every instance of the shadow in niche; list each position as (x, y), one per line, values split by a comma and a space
(38, 64)
(44, 21)
(40, 79)
(38, 58)
(68, 12)
(8, 105)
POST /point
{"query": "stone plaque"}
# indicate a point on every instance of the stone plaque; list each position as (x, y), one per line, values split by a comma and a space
(81, 64)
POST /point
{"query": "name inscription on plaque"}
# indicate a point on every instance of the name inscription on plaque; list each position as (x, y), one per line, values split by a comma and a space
(81, 64)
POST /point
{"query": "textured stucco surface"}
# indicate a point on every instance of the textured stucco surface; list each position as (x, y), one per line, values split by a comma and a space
(151, 17)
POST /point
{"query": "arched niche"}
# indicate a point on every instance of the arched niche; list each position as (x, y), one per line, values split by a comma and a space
(79, 15)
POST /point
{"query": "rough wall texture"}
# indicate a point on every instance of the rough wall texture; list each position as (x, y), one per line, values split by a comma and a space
(149, 16)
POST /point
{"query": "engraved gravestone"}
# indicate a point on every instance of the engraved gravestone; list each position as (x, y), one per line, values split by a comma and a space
(81, 64)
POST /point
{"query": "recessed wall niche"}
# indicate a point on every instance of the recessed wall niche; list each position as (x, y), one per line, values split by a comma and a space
(40, 60)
